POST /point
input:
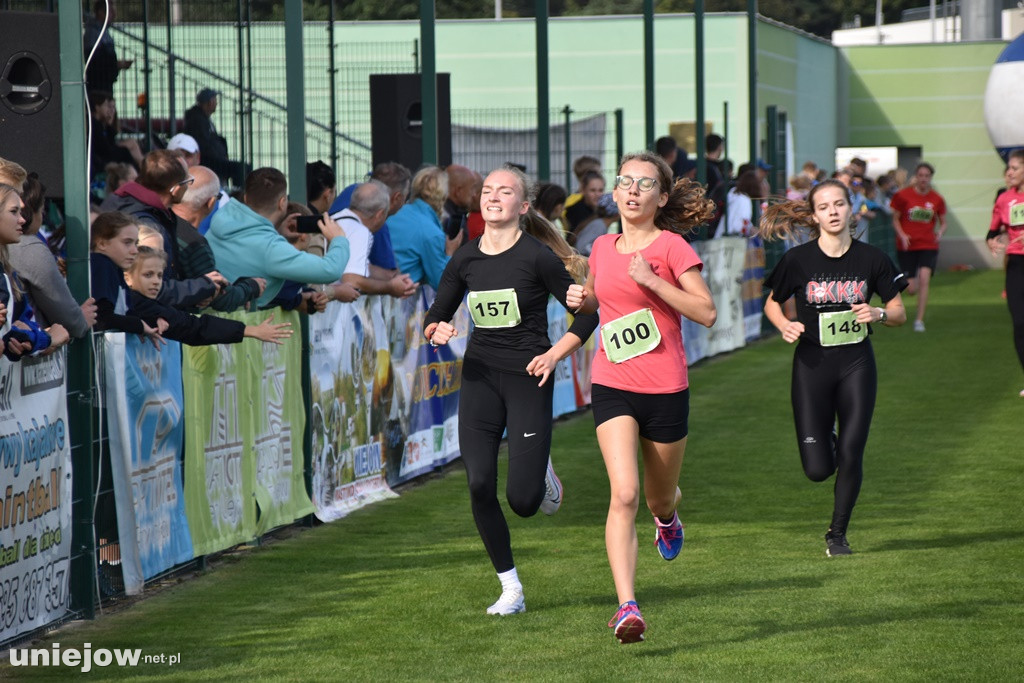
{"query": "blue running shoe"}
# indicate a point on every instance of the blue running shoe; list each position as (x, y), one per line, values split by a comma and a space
(668, 538)
(629, 625)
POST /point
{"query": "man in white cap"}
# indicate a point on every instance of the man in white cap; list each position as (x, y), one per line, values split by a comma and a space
(187, 147)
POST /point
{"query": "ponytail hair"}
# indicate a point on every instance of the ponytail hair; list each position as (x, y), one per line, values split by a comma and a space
(687, 206)
(535, 224)
(783, 219)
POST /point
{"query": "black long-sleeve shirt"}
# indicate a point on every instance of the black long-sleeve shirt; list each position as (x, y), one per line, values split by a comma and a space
(533, 271)
(194, 330)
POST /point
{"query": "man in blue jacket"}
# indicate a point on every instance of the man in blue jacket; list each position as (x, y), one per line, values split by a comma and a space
(246, 241)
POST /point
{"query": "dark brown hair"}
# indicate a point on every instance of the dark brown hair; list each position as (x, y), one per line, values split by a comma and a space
(686, 208)
(161, 171)
(108, 225)
(264, 187)
(783, 219)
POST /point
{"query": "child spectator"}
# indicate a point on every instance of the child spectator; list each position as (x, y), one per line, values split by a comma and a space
(114, 245)
(146, 277)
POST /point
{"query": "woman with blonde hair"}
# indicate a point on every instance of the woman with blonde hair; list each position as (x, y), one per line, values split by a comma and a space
(508, 275)
(832, 277)
(22, 335)
(421, 248)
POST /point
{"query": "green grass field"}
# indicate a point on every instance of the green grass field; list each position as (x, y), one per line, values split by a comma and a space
(398, 591)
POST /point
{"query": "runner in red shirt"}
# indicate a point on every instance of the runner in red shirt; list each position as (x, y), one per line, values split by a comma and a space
(916, 210)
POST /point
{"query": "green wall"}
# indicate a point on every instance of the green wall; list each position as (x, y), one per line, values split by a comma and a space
(797, 73)
(915, 95)
(932, 96)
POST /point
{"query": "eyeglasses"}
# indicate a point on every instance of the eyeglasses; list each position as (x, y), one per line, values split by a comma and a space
(186, 182)
(624, 182)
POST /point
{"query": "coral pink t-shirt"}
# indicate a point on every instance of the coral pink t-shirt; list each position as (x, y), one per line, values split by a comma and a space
(1004, 213)
(663, 369)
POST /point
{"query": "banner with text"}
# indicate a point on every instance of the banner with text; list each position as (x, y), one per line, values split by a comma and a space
(35, 501)
(144, 419)
(243, 442)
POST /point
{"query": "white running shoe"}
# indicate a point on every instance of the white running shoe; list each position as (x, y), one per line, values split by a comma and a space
(511, 601)
(552, 493)
(918, 326)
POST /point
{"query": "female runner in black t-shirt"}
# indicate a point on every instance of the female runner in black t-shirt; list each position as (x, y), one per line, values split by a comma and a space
(832, 278)
(509, 275)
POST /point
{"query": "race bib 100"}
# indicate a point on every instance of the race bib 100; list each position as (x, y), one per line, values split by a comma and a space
(840, 327)
(630, 336)
(494, 308)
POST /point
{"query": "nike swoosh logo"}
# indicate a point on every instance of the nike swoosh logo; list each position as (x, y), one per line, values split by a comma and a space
(529, 435)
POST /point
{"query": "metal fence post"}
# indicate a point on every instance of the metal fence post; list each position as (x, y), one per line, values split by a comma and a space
(428, 83)
(171, 105)
(543, 106)
(620, 139)
(146, 70)
(698, 22)
(567, 111)
(332, 70)
(649, 74)
(82, 581)
(241, 84)
(752, 77)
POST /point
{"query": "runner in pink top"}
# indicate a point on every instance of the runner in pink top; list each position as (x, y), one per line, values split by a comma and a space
(1006, 233)
(645, 279)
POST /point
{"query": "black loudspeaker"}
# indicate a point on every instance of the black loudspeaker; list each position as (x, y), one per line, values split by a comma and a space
(396, 117)
(30, 111)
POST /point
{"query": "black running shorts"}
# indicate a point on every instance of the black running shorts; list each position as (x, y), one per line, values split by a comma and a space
(663, 418)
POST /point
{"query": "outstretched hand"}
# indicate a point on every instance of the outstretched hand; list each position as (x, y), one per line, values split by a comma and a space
(269, 332)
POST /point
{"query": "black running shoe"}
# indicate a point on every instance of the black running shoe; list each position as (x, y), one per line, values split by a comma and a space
(835, 544)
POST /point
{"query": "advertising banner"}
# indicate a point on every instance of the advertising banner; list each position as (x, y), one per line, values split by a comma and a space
(723, 263)
(144, 420)
(243, 439)
(35, 498)
(358, 405)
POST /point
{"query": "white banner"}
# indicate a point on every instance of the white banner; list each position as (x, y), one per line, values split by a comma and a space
(723, 269)
(35, 498)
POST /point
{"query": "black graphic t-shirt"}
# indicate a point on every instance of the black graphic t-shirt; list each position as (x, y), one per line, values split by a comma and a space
(822, 284)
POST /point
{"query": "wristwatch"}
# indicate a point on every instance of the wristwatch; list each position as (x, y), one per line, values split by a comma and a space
(882, 316)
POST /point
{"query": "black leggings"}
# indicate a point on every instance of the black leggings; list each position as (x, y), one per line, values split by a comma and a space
(490, 401)
(1015, 300)
(829, 382)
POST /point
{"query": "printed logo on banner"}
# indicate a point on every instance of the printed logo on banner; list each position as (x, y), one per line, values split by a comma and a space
(41, 373)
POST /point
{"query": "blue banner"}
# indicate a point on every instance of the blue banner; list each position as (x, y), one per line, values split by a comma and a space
(144, 410)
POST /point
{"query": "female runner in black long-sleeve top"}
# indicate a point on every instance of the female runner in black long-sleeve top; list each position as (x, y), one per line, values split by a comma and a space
(509, 275)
